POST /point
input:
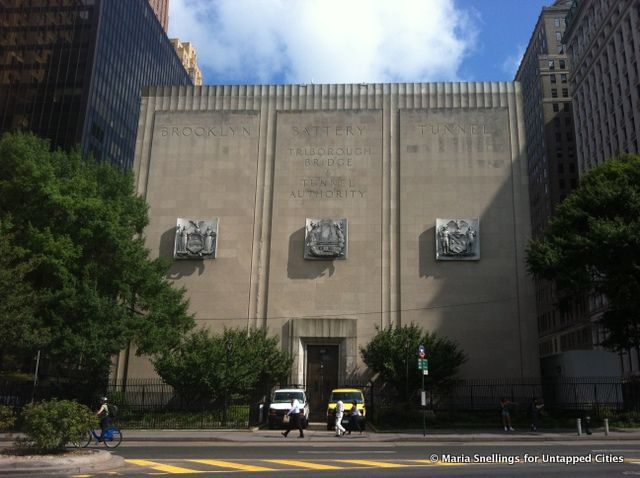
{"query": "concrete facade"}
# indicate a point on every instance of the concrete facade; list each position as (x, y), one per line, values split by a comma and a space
(391, 159)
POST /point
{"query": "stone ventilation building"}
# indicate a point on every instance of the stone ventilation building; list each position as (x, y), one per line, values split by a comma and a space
(189, 58)
(603, 45)
(321, 212)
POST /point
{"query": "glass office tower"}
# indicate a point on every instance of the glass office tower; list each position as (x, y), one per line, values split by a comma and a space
(73, 71)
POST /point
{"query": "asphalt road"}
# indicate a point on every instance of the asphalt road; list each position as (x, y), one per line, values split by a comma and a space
(359, 460)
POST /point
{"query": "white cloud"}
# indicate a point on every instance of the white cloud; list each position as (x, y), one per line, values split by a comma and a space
(324, 41)
(511, 63)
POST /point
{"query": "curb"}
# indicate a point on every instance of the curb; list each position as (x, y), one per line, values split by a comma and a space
(94, 460)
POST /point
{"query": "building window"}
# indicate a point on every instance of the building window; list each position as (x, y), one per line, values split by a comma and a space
(559, 37)
(556, 22)
(552, 65)
(552, 78)
(563, 77)
(555, 107)
(565, 92)
(554, 92)
(566, 107)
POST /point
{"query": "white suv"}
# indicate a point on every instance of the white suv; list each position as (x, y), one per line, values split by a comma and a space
(281, 404)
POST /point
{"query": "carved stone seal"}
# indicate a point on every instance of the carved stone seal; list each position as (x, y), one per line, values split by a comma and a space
(325, 239)
(458, 239)
(196, 239)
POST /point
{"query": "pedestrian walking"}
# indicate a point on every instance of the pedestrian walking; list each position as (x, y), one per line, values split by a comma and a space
(506, 415)
(339, 414)
(294, 419)
(354, 419)
(535, 409)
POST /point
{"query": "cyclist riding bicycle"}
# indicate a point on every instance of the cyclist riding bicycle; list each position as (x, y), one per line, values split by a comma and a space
(103, 414)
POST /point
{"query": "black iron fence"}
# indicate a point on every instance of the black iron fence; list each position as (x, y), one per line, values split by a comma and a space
(151, 403)
(564, 393)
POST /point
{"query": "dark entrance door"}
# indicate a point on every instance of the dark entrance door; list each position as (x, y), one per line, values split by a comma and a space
(322, 377)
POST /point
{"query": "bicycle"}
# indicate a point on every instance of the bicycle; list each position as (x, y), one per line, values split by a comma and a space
(112, 438)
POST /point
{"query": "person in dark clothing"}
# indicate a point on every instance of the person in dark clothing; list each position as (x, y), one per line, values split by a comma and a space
(535, 410)
(354, 419)
(294, 419)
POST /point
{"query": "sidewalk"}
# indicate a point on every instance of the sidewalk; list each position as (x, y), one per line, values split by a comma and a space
(314, 434)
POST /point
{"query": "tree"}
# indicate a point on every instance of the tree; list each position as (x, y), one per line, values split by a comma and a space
(78, 224)
(211, 368)
(20, 328)
(592, 244)
(393, 353)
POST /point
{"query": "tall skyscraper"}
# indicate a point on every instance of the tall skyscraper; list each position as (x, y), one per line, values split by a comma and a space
(189, 58)
(73, 71)
(553, 173)
(603, 44)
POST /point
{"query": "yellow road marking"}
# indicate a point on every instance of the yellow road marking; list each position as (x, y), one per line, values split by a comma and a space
(306, 464)
(161, 467)
(235, 466)
(378, 464)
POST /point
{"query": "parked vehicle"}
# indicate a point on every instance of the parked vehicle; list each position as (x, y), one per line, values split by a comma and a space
(281, 404)
(348, 396)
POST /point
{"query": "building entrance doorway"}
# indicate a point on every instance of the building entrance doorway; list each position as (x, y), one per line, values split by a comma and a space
(322, 377)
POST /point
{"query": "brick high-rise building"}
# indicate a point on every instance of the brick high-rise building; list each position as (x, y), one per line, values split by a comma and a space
(603, 44)
(189, 58)
(161, 9)
(553, 173)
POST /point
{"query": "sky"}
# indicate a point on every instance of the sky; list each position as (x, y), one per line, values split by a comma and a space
(355, 41)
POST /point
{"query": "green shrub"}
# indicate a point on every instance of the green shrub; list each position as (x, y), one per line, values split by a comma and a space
(601, 411)
(50, 425)
(630, 419)
(7, 418)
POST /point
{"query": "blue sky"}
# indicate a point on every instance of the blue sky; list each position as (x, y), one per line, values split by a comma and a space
(361, 41)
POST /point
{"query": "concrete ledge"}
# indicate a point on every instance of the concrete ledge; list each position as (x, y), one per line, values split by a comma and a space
(73, 461)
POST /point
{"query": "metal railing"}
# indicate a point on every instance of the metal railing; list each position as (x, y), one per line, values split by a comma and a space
(151, 403)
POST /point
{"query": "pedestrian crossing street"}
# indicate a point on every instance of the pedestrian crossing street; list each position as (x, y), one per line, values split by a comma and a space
(264, 465)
